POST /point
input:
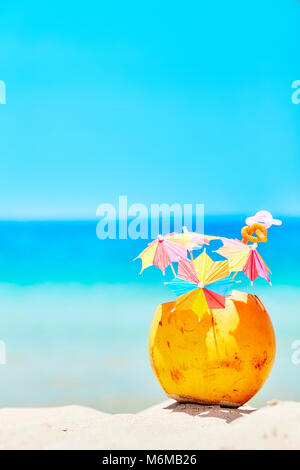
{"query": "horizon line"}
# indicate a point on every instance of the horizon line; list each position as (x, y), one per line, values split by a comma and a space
(68, 218)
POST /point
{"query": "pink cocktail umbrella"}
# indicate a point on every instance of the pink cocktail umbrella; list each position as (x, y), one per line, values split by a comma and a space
(163, 251)
(244, 257)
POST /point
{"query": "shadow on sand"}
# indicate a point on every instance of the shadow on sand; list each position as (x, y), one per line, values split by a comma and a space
(213, 411)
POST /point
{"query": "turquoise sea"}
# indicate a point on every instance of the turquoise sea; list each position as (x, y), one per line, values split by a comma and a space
(75, 314)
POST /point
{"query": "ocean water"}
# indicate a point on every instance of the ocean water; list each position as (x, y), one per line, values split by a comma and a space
(75, 314)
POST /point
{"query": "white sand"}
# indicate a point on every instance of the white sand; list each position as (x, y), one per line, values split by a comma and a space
(166, 426)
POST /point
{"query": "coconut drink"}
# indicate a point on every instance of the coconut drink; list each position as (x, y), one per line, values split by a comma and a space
(213, 344)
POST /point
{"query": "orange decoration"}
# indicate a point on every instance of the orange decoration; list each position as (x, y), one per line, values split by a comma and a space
(258, 229)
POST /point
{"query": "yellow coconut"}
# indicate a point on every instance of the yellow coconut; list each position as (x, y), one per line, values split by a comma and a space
(223, 359)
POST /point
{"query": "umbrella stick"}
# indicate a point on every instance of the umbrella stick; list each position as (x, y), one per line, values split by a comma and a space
(234, 274)
(192, 256)
(214, 332)
(173, 269)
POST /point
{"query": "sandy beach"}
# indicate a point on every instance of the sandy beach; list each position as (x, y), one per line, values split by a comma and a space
(167, 426)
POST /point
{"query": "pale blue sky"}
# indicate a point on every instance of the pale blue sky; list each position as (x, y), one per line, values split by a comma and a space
(160, 101)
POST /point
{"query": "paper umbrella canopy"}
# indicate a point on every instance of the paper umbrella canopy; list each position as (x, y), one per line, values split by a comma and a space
(200, 239)
(243, 257)
(167, 249)
(202, 284)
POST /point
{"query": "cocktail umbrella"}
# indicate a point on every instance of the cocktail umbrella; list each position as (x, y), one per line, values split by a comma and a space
(191, 240)
(202, 284)
(199, 238)
(188, 240)
(163, 251)
(244, 257)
